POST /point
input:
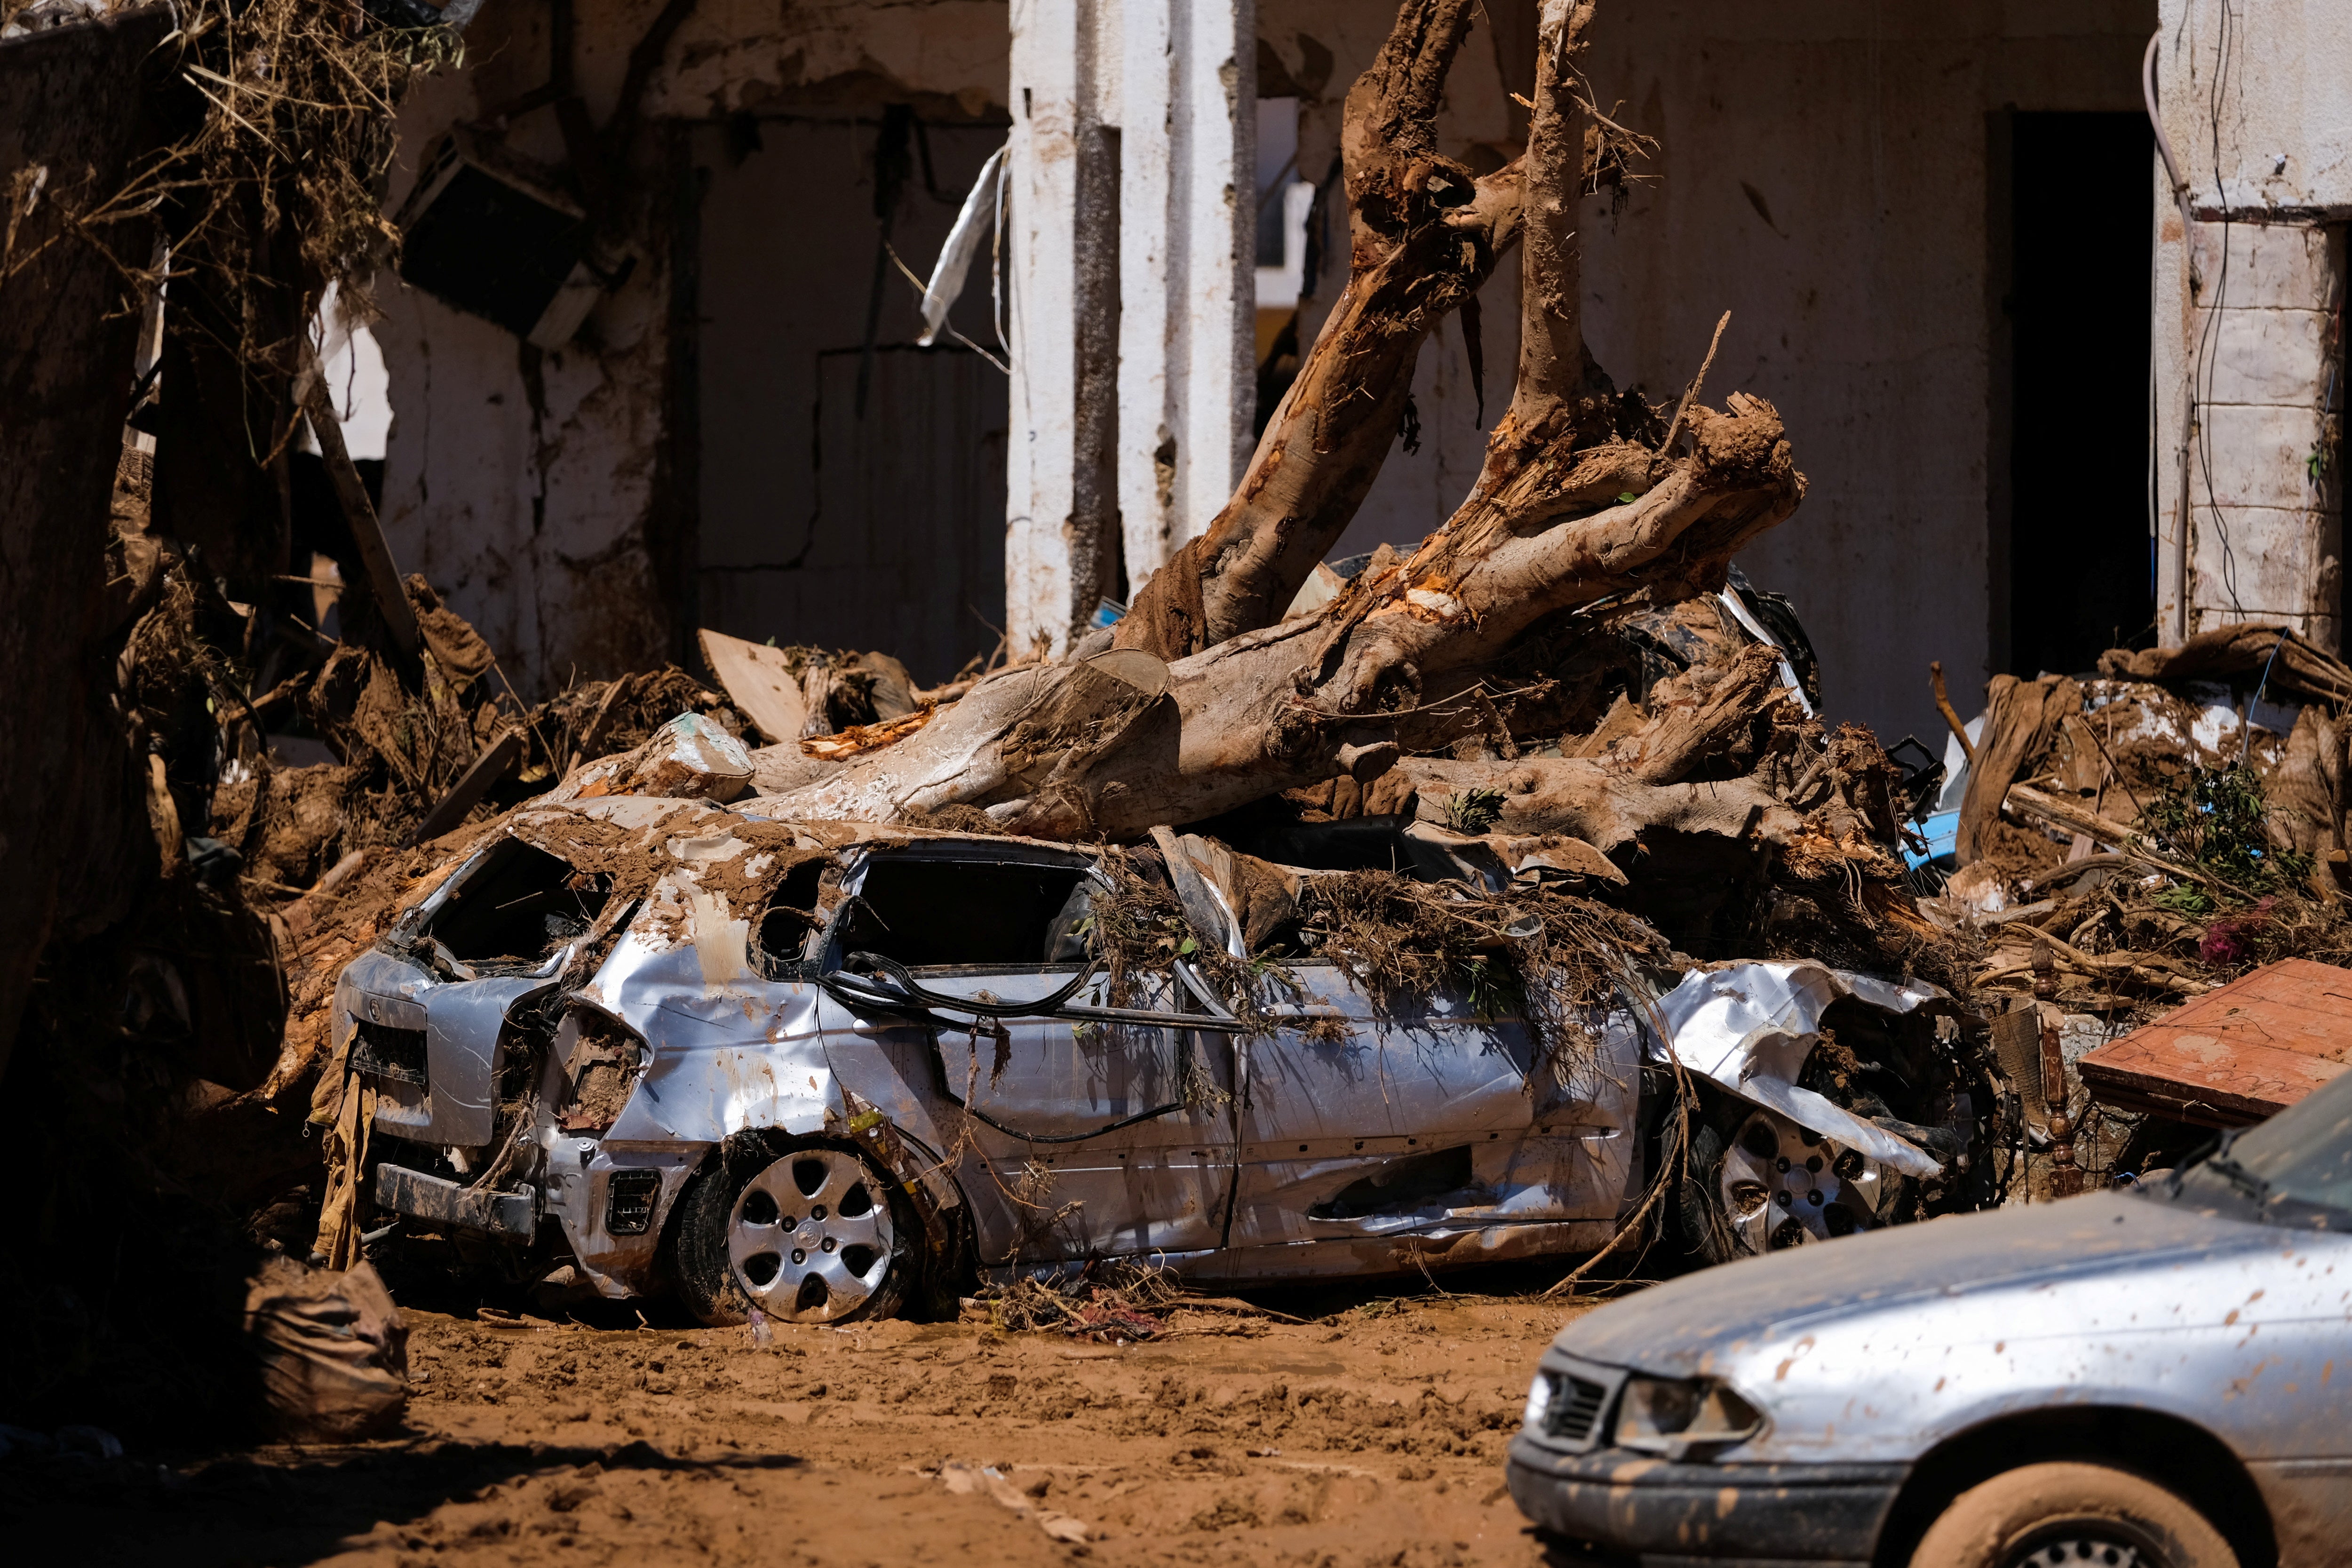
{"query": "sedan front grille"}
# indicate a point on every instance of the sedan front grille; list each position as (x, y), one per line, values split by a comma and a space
(381, 1051)
(1575, 1405)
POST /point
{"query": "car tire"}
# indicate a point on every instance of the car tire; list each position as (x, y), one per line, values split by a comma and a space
(2068, 1512)
(1706, 1231)
(804, 1229)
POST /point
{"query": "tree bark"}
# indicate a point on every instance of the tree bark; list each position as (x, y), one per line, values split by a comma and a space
(72, 117)
(1423, 236)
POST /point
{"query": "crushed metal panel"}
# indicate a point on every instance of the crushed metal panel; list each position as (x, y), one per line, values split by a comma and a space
(1336, 1136)
(441, 1202)
(2234, 1056)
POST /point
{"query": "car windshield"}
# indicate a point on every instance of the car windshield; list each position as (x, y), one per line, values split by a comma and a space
(2294, 1169)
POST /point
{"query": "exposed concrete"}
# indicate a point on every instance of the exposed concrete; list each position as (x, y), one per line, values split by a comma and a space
(2257, 102)
(2257, 95)
(817, 525)
(521, 483)
(1128, 125)
(526, 486)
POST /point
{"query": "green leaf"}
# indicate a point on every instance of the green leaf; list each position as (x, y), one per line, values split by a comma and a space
(1625, 497)
(1189, 945)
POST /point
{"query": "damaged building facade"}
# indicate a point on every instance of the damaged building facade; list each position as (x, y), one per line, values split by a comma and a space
(2017, 381)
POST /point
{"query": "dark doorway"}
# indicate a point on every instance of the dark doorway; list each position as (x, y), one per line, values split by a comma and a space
(850, 498)
(2081, 568)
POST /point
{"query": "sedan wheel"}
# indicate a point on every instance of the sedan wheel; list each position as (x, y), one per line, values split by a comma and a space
(804, 1230)
(2040, 1516)
(808, 1239)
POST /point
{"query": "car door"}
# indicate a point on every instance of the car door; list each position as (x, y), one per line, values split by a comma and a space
(1359, 1121)
(1072, 1139)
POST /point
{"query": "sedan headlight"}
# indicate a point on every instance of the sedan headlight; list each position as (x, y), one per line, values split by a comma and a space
(1673, 1417)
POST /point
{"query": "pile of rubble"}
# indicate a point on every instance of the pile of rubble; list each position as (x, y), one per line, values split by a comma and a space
(1558, 736)
(2130, 840)
(1560, 743)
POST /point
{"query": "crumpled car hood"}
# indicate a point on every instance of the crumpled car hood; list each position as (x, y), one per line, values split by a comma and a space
(1749, 1027)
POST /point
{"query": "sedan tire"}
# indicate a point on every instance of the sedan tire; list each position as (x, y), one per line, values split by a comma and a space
(2041, 1515)
(803, 1229)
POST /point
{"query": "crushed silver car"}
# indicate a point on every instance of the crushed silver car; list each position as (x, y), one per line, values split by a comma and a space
(829, 1071)
(2139, 1378)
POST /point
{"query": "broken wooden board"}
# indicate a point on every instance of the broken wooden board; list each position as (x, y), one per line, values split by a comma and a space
(757, 682)
(2235, 1055)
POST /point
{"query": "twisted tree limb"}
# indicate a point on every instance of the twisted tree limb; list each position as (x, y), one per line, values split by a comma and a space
(1578, 502)
(1423, 235)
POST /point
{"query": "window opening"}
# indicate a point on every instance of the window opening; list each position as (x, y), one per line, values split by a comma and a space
(939, 913)
(522, 904)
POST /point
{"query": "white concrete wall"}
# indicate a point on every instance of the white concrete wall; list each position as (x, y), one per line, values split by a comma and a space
(531, 500)
(2267, 85)
(524, 499)
(2256, 99)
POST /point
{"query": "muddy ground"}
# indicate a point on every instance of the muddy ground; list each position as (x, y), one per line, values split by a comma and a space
(1373, 1433)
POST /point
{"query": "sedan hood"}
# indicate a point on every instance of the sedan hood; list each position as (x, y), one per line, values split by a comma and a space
(1687, 1325)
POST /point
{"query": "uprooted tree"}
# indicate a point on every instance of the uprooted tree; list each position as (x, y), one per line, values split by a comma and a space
(1598, 523)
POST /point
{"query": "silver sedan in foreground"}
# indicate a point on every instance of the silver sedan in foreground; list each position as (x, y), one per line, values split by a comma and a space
(2142, 1379)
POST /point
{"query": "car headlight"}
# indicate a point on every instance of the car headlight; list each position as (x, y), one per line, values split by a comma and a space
(1538, 1401)
(1673, 1417)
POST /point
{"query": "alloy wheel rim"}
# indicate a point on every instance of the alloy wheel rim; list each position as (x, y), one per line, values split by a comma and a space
(1783, 1185)
(810, 1239)
(2080, 1548)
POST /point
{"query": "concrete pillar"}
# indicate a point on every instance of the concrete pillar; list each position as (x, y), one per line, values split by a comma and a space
(2253, 100)
(2248, 395)
(1131, 293)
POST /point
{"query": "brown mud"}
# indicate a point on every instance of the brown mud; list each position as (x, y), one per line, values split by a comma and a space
(1374, 1436)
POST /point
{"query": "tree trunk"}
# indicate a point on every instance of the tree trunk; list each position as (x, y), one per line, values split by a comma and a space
(1423, 236)
(72, 118)
(1586, 494)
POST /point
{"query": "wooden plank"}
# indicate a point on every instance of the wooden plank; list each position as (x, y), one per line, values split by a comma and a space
(494, 764)
(383, 577)
(757, 682)
(2237, 1054)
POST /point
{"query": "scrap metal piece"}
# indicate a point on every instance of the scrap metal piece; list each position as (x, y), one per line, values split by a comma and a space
(442, 1201)
(1749, 1027)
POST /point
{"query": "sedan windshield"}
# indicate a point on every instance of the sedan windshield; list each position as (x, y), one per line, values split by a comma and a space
(2294, 1169)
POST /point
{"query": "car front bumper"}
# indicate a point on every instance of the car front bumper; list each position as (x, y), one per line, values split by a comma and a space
(1629, 1507)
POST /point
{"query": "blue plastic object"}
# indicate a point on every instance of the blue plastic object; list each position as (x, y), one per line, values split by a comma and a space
(1943, 831)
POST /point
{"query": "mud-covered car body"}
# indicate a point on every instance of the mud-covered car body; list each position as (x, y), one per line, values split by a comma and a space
(1830, 1404)
(565, 1029)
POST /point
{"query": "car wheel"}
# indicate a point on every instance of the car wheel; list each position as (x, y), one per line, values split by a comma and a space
(2043, 1515)
(807, 1230)
(1772, 1185)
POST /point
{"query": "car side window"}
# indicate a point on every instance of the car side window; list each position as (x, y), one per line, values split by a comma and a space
(930, 914)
